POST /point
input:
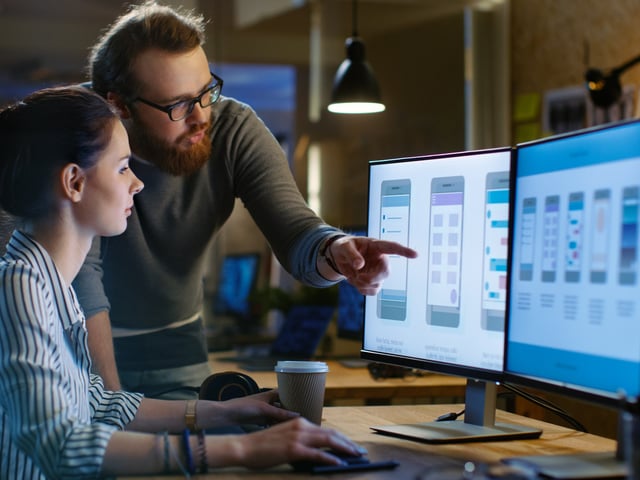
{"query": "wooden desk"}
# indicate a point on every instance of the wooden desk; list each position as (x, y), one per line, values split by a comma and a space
(345, 383)
(416, 457)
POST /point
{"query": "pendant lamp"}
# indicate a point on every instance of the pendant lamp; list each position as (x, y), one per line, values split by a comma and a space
(355, 88)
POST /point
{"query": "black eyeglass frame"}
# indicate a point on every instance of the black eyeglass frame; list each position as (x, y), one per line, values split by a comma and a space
(215, 90)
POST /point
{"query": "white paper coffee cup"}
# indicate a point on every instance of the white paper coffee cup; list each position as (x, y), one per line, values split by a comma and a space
(301, 387)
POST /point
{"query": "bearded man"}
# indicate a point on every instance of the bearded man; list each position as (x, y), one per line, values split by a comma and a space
(196, 152)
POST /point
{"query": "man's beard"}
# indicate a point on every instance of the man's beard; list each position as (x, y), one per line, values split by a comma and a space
(168, 157)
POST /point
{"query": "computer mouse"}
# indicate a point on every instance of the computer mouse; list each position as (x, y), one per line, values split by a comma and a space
(308, 465)
(350, 463)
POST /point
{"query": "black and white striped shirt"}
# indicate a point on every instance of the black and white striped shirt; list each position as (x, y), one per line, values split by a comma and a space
(56, 417)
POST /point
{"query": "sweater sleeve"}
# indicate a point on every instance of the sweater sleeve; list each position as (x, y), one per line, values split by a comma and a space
(88, 283)
(262, 178)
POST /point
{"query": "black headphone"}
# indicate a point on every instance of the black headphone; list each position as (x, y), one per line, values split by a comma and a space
(227, 385)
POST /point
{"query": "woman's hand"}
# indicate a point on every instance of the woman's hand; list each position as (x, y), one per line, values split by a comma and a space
(291, 441)
(258, 409)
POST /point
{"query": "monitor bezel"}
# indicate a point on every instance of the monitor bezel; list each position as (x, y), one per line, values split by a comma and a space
(470, 372)
(594, 396)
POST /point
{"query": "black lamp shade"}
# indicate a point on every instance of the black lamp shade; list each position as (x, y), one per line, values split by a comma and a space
(355, 88)
(605, 90)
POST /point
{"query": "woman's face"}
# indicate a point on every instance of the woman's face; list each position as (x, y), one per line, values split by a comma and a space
(110, 186)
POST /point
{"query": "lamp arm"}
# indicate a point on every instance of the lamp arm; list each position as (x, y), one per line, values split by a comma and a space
(618, 70)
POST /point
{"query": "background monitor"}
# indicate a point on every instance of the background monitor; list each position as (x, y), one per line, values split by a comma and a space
(236, 281)
(574, 298)
(444, 311)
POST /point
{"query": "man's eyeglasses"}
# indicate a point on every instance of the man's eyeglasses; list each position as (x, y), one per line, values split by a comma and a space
(179, 110)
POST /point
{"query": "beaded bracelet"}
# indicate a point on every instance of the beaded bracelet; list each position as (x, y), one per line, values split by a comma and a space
(202, 449)
(187, 451)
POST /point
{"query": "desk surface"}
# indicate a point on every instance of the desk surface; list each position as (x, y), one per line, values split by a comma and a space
(356, 383)
(416, 457)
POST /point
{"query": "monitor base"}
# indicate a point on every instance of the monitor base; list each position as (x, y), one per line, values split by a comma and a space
(583, 465)
(455, 431)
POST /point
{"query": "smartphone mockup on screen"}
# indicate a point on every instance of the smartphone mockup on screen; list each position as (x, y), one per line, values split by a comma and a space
(395, 203)
(496, 240)
(574, 243)
(600, 235)
(527, 238)
(550, 232)
(445, 251)
(629, 237)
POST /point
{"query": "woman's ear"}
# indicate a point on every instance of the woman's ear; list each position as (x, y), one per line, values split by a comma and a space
(73, 181)
(121, 106)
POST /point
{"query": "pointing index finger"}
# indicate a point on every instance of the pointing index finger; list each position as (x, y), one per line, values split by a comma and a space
(393, 248)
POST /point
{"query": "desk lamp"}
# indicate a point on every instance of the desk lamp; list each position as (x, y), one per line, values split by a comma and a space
(605, 89)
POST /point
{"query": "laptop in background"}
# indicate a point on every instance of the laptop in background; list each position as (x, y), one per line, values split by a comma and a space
(303, 329)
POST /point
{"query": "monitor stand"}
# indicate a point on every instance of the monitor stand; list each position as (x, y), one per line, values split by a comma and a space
(354, 362)
(479, 423)
(583, 465)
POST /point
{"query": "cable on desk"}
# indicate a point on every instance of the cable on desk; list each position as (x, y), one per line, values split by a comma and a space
(544, 403)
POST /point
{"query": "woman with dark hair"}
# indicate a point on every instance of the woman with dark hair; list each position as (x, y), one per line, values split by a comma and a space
(64, 174)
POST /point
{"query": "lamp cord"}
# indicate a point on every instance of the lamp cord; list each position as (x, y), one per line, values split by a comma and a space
(354, 18)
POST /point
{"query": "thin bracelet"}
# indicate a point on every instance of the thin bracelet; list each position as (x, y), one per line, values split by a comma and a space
(202, 449)
(186, 443)
(167, 464)
(325, 252)
(176, 457)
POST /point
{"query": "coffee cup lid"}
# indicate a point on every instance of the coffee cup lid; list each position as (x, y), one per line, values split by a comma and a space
(297, 366)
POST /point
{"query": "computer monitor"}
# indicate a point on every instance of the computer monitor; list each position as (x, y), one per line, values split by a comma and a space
(574, 300)
(237, 280)
(444, 311)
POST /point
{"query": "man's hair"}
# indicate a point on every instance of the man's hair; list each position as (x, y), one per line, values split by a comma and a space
(142, 27)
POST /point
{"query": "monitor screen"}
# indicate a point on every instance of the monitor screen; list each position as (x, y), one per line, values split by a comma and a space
(444, 311)
(236, 281)
(573, 278)
(574, 300)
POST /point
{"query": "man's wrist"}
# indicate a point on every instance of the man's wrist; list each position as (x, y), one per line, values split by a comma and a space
(326, 255)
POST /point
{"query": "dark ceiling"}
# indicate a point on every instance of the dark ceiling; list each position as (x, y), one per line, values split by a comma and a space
(45, 37)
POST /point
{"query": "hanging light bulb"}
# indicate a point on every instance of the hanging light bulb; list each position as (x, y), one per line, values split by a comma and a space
(355, 88)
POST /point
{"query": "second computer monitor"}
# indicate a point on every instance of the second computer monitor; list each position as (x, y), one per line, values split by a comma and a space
(574, 301)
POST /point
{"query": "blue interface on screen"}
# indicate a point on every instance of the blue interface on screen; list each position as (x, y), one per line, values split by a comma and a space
(574, 282)
(237, 279)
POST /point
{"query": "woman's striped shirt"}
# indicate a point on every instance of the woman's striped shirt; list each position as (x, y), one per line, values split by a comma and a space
(56, 417)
